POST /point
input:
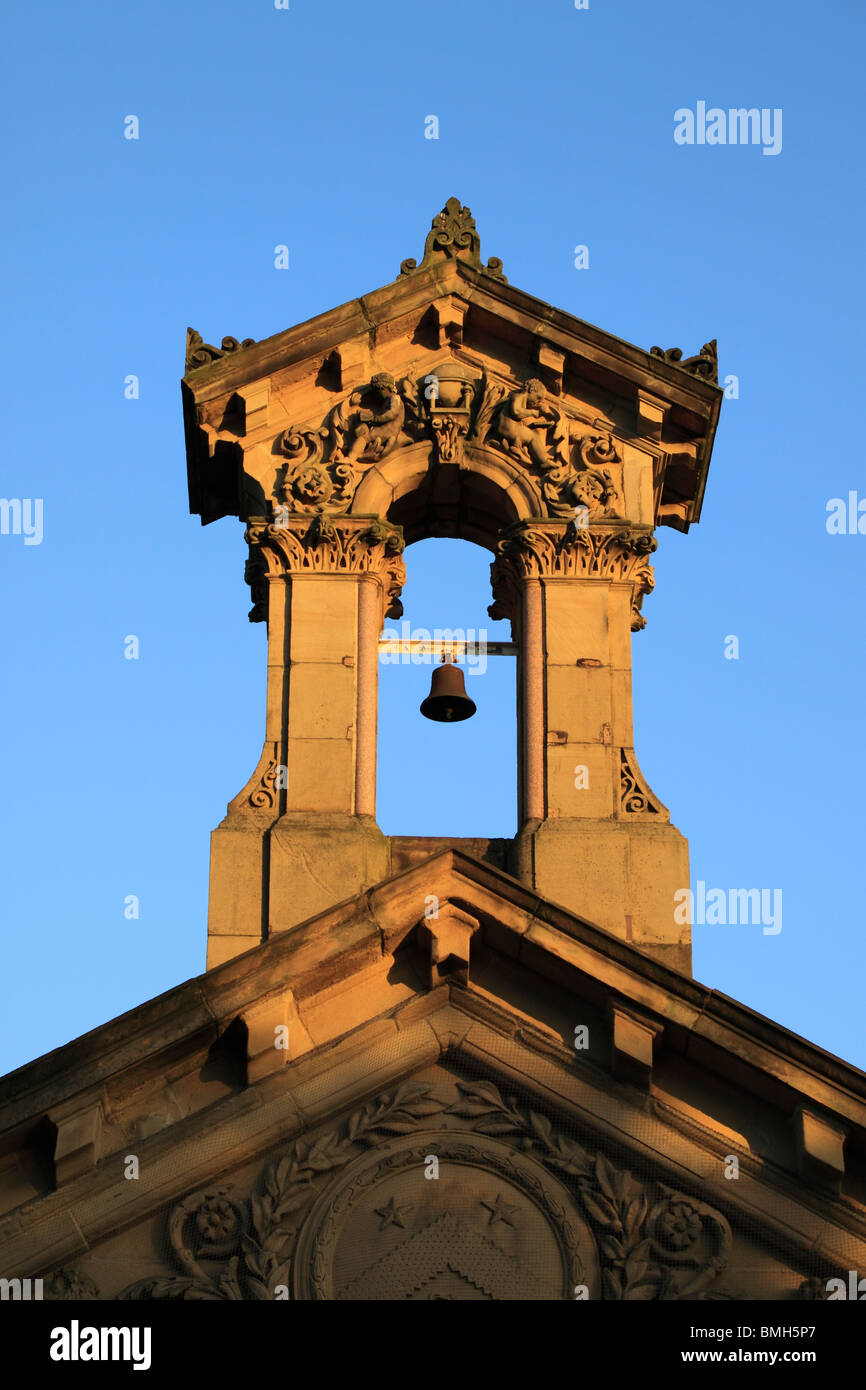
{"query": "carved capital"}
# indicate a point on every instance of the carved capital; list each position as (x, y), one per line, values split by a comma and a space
(539, 549)
(358, 545)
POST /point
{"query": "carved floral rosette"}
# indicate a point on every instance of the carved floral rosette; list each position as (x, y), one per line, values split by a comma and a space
(539, 549)
(646, 1239)
(326, 545)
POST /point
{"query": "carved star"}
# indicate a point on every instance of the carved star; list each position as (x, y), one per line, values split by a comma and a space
(392, 1215)
(499, 1211)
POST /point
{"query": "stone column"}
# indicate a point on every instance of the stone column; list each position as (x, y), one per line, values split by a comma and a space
(593, 836)
(302, 834)
(531, 649)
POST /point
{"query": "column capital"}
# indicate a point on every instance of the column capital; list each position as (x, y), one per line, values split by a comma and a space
(539, 549)
(319, 544)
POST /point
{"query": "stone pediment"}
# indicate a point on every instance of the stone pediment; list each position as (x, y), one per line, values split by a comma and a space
(448, 368)
(440, 1015)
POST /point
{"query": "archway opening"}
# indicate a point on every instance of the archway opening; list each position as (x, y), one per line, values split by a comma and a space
(454, 780)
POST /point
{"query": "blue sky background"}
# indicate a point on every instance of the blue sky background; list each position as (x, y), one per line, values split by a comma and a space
(306, 127)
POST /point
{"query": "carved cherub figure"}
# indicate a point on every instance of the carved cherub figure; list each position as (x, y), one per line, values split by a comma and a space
(374, 432)
(523, 420)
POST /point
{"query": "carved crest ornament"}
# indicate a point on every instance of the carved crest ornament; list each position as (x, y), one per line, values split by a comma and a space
(520, 1210)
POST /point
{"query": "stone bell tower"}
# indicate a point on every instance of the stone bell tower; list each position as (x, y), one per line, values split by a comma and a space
(425, 1069)
(448, 403)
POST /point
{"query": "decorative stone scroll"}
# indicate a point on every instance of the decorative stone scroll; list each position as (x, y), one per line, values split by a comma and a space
(533, 430)
(325, 545)
(454, 236)
(262, 792)
(543, 549)
(200, 353)
(379, 1230)
(705, 364)
(635, 797)
(325, 466)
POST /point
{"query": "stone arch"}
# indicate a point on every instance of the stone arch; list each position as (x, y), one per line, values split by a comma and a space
(473, 500)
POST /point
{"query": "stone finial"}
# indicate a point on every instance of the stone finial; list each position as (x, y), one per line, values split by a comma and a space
(453, 235)
(201, 354)
(704, 364)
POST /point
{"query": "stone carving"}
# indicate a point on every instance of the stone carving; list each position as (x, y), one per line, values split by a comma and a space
(444, 1245)
(448, 395)
(267, 1227)
(653, 1241)
(451, 407)
(200, 353)
(454, 236)
(325, 465)
(538, 434)
(532, 549)
(635, 797)
(326, 545)
(528, 429)
(705, 364)
(261, 792)
(672, 1250)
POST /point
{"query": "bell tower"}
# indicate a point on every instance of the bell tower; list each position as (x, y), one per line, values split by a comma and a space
(514, 1019)
(448, 403)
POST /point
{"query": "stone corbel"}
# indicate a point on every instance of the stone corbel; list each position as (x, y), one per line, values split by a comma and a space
(448, 314)
(820, 1147)
(650, 414)
(350, 359)
(79, 1132)
(551, 365)
(449, 934)
(632, 1037)
(275, 1035)
(255, 398)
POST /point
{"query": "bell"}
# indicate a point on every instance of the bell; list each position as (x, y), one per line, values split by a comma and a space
(447, 702)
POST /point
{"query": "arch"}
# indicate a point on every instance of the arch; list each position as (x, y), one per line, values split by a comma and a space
(471, 500)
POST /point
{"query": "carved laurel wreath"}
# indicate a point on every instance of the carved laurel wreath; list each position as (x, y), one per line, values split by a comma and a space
(671, 1248)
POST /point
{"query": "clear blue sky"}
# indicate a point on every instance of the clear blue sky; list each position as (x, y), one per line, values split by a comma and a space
(260, 127)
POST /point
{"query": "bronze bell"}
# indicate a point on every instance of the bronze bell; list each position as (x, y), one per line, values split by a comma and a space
(447, 702)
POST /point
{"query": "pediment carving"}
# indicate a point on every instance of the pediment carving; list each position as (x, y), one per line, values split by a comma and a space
(513, 1208)
(574, 467)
